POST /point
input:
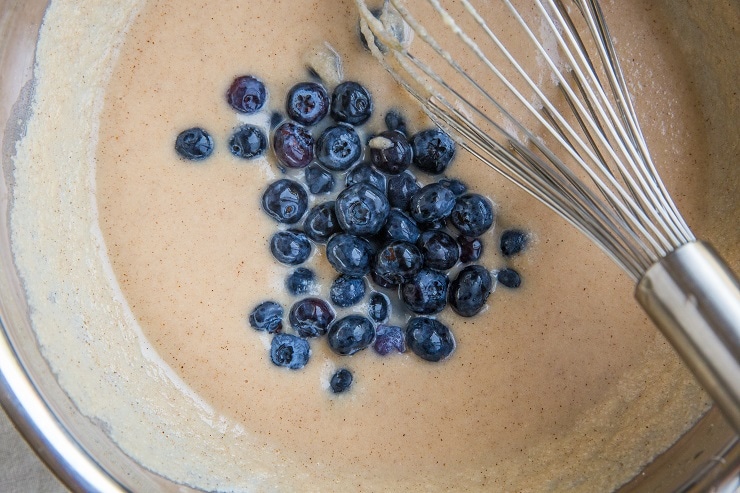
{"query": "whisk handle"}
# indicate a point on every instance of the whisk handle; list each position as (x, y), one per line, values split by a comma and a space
(694, 298)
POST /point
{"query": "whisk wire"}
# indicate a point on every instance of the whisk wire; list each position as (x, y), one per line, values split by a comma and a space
(451, 23)
(663, 203)
(582, 69)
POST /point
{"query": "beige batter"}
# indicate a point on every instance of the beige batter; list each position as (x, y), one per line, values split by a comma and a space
(561, 385)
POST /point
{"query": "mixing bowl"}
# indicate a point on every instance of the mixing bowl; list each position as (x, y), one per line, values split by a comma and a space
(83, 455)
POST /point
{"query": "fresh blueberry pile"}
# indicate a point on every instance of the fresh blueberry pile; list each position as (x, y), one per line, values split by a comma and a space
(400, 237)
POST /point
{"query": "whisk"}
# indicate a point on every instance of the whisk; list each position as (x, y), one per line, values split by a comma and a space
(550, 111)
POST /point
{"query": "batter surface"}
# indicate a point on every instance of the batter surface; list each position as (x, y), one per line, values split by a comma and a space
(148, 279)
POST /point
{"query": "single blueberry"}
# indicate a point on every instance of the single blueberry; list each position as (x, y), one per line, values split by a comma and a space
(293, 145)
(362, 209)
(194, 144)
(341, 381)
(307, 103)
(401, 188)
(440, 250)
(338, 147)
(400, 227)
(285, 201)
(379, 307)
(351, 103)
(456, 186)
(390, 152)
(513, 241)
(248, 142)
(509, 278)
(365, 173)
(247, 94)
(350, 334)
(472, 214)
(396, 263)
(347, 291)
(431, 204)
(321, 222)
(389, 338)
(291, 247)
(395, 121)
(289, 351)
(300, 281)
(426, 292)
(319, 180)
(310, 317)
(470, 290)
(471, 249)
(429, 339)
(433, 150)
(349, 254)
(267, 316)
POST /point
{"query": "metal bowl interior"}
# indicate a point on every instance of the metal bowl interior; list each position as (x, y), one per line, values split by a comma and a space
(84, 457)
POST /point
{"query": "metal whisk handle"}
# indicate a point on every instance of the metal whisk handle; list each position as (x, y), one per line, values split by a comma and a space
(694, 298)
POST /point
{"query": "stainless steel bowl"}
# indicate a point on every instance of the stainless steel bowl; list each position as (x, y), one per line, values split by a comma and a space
(86, 459)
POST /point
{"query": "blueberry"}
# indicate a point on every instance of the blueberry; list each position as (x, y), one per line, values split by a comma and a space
(429, 339)
(341, 381)
(390, 152)
(293, 145)
(290, 247)
(365, 173)
(349, 254)
(394, 121)
(440, 250)
(362, 209)
(470, 248)
(267, 316)
(321, 222)
(433, 150)
(400, 190)
(470, 290)
(307, 103)
(351, 103)
(319, 180)
(338, 147)
(426, 292)
(194, 144)
(432, 203)
(456, 186)
(351, 334)
(389, 338)
(300, 281)
(247, 94)
(347, 291)
(396, 263)
(509, 278)
(285, 201)
(248, 142)
(472, 214)
(513, 241)
(379, 307)
(289, 351)
(310, 317)
(400, 227)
